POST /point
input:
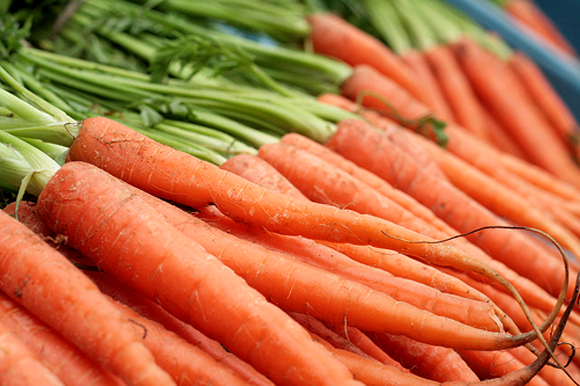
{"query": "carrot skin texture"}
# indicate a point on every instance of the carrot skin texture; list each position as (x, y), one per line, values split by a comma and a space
(495, 364)
(153, 311)
(190, 280)
(253, 168)
(431, 362)
(334, 187)
(187, 364)
(112, 342)
(19, 366)
(67, 362)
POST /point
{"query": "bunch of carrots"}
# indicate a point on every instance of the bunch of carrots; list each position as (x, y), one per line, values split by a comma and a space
(204, 229)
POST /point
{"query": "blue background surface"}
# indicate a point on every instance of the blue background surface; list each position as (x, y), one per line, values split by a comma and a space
(566, 15)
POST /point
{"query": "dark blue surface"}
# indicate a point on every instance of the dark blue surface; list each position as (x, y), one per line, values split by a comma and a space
(566, 15)
(564, 74)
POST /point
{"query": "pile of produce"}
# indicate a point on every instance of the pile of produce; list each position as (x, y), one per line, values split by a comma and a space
(275, 192)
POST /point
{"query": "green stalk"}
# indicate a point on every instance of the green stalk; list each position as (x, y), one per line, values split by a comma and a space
(420, 32)
(291, 66)
(383, 16)
(255, 105)
(278, 22)
(22, 161)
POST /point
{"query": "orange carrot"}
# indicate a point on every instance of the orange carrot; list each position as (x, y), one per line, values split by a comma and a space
(364, 343)
(187, 364)
(495, 364)
(333, 36)
(541, 145)
(256, 265)
(418, 62)
(541, 179)
(351, 137)
(111, 145)
(479, 314)
(457, 90)
(33, 273)
(486, 159)
(499, 138)
(529, 16)
(431, 362)
(335, 187)
(315, 326)
(153, 311)
(410, 111)
(547, 99)
(385, 259)
(66, 361)
(552, 375)
(131, 241)
(19, 365)
(499, 198)
(386, 96)
(374, 373)
(253, 168)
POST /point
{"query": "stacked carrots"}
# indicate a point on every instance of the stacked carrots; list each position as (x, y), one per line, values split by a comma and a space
(404, 244)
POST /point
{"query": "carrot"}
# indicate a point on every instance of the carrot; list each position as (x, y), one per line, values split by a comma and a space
(551, 375)
(544, 147)
(495, 364)
(374, 373)
(66, 361)
(375, 91)
(463, 145)
(255, 265)
(385, 259)
(335, 187)
(33, 272)
(410, 111)
(153, 311)
(516, 177)
(372, 180)
(445, 200)
(253, 168)
(540, 178)
(315, 326)
(364, 343)
(187, 364)
(19, 366)
(530, 17)
(499, 138)
(203, 183)
(431, 362)
(457, 90)
(193, 285)
(333, 36)
(546, 98)
(479, 314)
(498, 198)
(417, 61)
